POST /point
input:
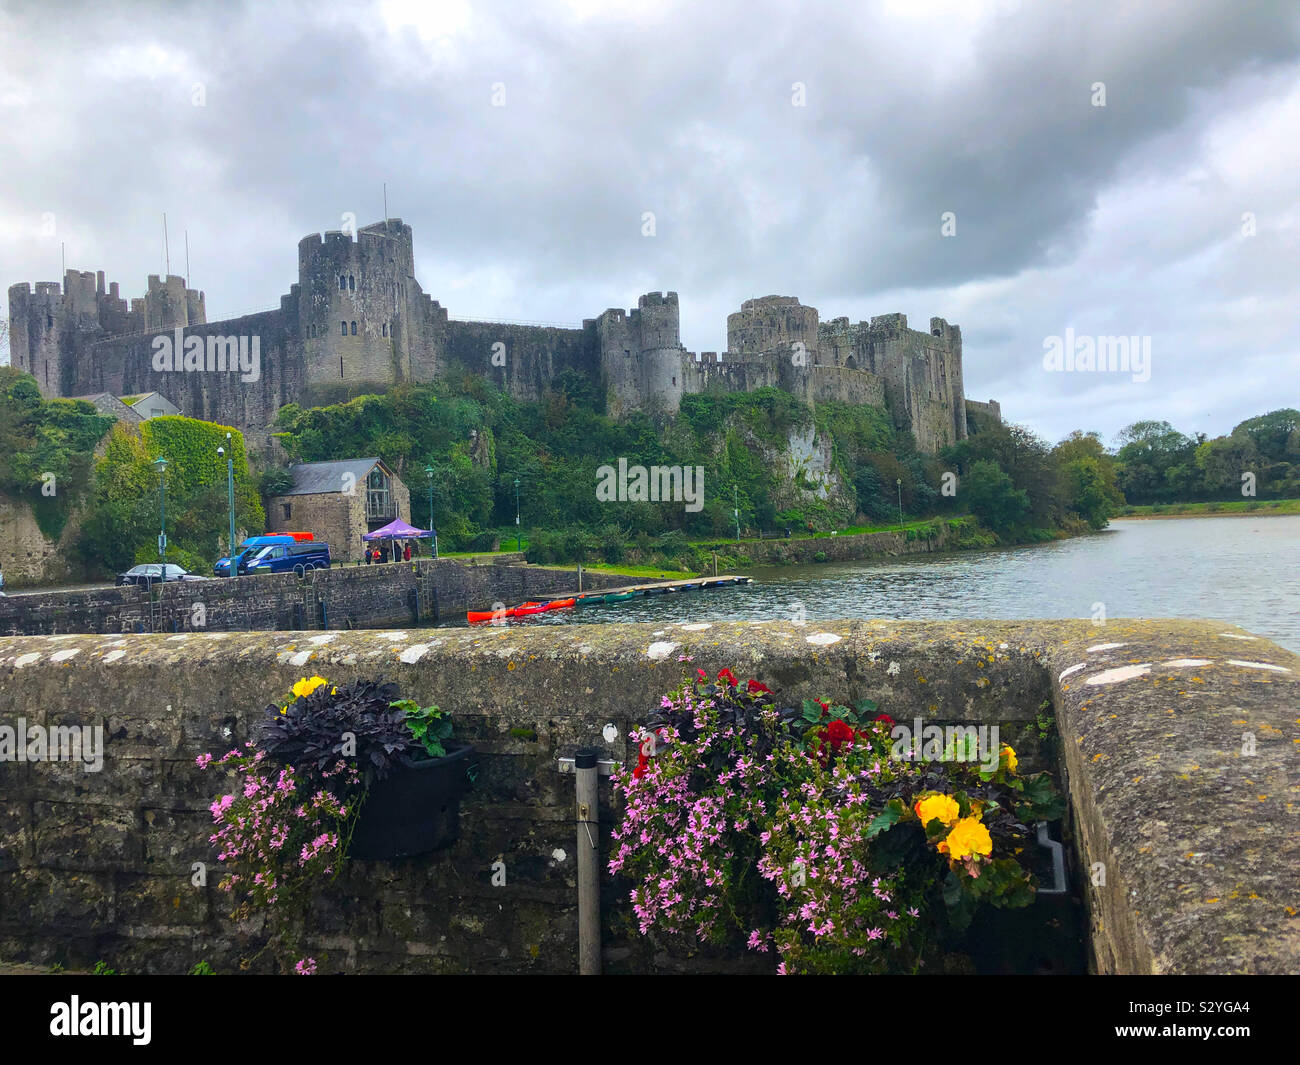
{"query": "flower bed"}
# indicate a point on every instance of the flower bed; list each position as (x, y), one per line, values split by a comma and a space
(809, 833)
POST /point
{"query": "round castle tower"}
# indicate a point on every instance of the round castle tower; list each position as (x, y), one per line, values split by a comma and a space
(352, 309)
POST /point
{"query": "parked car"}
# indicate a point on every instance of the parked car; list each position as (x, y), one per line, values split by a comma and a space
(298, 557)
(253, 545)
(152, 571)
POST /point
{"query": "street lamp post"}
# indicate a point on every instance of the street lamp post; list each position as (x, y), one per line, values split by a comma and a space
(230, 498)
(899, 481)
(428, 472)
(160, 464)
(735, 510)
(516, 513)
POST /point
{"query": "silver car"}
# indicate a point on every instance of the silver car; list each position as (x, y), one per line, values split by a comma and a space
(153, 571)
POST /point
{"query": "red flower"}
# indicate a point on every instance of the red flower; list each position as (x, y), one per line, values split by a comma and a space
(703, 676)
(728, 676)
(884, 719)
(757, 686)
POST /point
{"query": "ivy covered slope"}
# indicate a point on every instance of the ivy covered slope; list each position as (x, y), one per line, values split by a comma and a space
(48, 449)
(781, 464)
(121, 528)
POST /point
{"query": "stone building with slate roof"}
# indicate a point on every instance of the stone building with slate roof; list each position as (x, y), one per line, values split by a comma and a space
(339, 502)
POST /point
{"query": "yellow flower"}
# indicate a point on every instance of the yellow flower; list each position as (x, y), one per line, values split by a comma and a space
(968, 837)
(943, 808)
(308, 685)
(1009, 759)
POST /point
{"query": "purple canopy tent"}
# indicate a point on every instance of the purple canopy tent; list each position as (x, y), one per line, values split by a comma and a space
(399, 530)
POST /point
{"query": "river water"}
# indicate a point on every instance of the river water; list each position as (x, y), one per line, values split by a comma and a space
(1242, 570)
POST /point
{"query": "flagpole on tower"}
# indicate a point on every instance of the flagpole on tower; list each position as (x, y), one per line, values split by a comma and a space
(167, 250)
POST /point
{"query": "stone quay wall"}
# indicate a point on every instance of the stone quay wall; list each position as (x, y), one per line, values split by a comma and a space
(398, 593)
(1177, 746)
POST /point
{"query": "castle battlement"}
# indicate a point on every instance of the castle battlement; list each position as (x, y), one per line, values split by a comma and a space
(357, 321)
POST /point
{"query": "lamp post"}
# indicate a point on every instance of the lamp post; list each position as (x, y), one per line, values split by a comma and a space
(735, 511)
(516, 513)
(230, 498)
(428, 472)
(899, 481)
(160, 464)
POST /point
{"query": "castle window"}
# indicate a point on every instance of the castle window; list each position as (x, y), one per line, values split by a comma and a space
(49, 321)
(385, 329)
(340, 367)
(627, 353)
(343, 283)
(352, 283)
(354, 328)
(287, 513)
(343, 328)
(674, 380)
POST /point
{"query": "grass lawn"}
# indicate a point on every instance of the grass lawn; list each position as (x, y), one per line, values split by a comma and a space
(1236, 507)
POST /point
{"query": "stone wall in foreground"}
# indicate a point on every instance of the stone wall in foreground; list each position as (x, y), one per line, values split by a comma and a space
(1197, 839)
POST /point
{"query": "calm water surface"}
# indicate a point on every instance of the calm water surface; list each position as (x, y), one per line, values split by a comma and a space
(1240, 570)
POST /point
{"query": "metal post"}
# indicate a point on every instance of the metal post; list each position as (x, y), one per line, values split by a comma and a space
(588, 818)
(580, 576)
(735, 511)
(516, 513)
(899, 481)
(230, 493)
(162, 526)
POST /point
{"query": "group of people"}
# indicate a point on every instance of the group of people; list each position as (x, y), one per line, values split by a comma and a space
(400, 552)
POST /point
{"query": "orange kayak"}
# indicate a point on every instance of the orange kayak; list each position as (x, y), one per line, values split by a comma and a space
(560, 604)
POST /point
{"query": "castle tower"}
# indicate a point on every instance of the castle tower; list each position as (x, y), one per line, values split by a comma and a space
(773, 324)
(168, 304)
(657, 322)
(358, 306)
(641, 355)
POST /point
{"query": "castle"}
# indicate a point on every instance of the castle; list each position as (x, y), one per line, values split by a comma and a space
(358, 322)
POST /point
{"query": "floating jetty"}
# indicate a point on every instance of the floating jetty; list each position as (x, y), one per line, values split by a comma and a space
(636, 591)
(603, 596)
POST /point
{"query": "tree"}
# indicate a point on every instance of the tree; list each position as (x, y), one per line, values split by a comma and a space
(993, 498)
(1150, 456)
(1276, 435)
(1222, 461)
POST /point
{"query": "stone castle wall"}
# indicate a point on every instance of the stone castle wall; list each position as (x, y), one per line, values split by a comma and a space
(357, 321)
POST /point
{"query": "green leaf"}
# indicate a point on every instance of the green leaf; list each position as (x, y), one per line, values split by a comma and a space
(886, 819)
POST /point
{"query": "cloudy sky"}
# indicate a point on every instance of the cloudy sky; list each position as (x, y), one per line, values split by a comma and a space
(809, 150)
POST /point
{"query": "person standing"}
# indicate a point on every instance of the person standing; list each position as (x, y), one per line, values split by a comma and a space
(406, 554)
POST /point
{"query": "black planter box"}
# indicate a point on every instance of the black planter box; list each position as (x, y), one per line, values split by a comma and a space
(415, 809)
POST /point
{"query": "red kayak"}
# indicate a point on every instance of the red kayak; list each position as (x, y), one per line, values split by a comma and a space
(523, 610)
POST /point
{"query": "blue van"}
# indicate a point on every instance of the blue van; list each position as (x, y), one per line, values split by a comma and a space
(297, 556)
(252, 546)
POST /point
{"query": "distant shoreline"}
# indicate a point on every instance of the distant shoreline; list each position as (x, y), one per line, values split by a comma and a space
(1289, 508)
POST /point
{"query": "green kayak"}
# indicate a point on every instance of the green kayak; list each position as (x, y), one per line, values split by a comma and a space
(619, 597)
